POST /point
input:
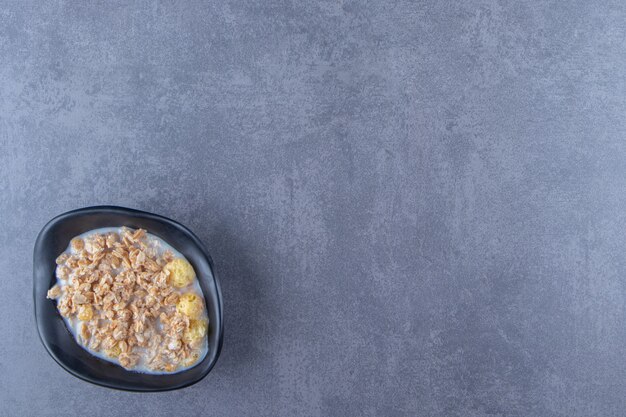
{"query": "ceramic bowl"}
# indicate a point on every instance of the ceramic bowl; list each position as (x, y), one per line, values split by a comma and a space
(60, 343)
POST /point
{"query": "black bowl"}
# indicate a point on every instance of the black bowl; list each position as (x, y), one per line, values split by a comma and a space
(57, 339)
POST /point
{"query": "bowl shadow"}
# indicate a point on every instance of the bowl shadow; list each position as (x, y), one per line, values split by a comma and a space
(239, 265)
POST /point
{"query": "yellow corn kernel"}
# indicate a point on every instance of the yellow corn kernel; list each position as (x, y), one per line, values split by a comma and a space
(181, 273)
(190, 304)
(197, 330)
(191, 359)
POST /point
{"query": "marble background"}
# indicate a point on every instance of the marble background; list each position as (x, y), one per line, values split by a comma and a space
(415, 208)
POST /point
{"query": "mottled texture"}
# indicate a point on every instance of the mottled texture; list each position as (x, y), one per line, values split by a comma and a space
(415, 208)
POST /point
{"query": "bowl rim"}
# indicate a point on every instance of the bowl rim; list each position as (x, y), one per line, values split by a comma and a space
(136, 213)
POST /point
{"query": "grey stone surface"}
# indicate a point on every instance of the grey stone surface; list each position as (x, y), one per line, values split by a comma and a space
(415, 208)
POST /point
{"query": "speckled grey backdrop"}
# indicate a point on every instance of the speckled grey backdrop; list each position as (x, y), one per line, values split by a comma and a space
(415, 208)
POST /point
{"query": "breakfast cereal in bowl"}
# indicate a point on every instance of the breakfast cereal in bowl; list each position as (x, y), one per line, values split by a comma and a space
(130, 298)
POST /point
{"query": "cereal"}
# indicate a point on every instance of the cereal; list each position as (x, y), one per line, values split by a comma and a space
(191, 359)
(77, 243)
(54, 292)
(85, 313)
(180, 272)
(190, 305)
(62, 258)
(129, 298)
(113, 352)
(197, 330)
